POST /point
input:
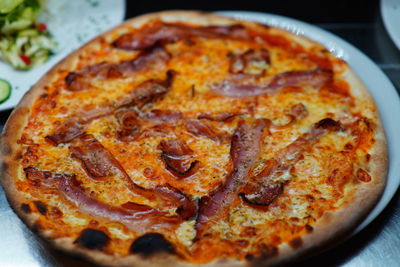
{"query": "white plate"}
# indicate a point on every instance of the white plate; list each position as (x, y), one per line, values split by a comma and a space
(390, 10)
(378, 84)
(72, 23)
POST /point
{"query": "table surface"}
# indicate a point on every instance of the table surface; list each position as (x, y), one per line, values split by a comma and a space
(377, 245)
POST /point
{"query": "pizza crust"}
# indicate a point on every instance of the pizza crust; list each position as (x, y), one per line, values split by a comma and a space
(330, 229)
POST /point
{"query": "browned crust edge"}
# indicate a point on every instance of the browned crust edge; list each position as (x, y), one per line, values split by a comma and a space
(330, 229)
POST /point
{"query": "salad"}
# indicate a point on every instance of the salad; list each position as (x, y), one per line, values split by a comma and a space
(24, 43)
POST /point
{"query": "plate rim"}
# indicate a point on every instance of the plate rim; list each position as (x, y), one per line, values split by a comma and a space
(389, 21)
(355, 58)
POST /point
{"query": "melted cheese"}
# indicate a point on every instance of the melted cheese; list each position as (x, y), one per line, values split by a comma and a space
(199, 65)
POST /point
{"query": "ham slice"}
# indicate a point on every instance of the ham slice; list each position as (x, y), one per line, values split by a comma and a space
(264, 196)
(173, 197)
(297, 112)
(316, 78)
(222, 116)
(138, 218)
(129, 126)
(251, 62)
(67, 131)
(76, 125)
(261, 190)
(99, 163)
(162, 116)
(201, 128)
(178, 158)
(154, 58)
(147, 91)
(134, 125)
(245, 147)
(160, 32)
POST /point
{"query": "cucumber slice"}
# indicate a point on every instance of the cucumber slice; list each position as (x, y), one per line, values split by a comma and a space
(11, 27)
(29, 33)
(5, 90)
(40, 57)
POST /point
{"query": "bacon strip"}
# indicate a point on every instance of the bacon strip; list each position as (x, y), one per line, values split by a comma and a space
(222, 116)
(76, 125)
(161, 116)
(138, 218)
(100, 163)
(316, 78)
(146, 92)
(178, 158)
(297, 112)
(173, 197)
(292, 153)
(154, 58)
(163, 33)
(245, 147)
(263, 197)
(201, 128)
(130, 126)
(251, 62)
(97, 161)
(69, 130)
(261, 190)
(132, 123)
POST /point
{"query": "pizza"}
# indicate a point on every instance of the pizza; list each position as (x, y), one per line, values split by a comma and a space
(185, 138)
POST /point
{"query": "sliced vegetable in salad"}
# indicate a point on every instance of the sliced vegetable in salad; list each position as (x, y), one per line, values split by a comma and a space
(5, 90)
(24, 43)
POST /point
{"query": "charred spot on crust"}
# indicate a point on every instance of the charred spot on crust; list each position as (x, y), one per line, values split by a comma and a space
(70, 78)
(249, 257)
(4, 167)
(25, 208)
(151, 243)
(92, 239)
(44, 96)
(41, 207)
(36, 228)
(265, 252)
(328, 124)
(309, 228)
(269, 251)
(296, 242)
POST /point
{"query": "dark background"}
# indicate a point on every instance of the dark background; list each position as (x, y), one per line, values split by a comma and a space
(312, 11)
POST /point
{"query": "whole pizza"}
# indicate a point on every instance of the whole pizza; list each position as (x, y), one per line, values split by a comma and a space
(185, 138)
